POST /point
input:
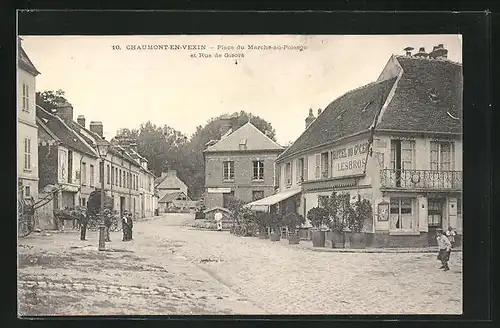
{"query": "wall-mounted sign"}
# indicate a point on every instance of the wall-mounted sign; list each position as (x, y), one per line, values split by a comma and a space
(383, 211)
(349, 159)
(218, 190)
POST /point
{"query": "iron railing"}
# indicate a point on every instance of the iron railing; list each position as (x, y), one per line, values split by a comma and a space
(420, 179)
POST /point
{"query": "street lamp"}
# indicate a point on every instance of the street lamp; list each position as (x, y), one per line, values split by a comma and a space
(102, 149)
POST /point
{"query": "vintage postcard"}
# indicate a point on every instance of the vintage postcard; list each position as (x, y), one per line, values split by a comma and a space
(239, 174)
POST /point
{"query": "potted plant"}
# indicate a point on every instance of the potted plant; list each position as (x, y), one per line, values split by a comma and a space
(339, 211)
(361, 211)
(292, 221)
(318, 216)
(274, 225)
(262, 221)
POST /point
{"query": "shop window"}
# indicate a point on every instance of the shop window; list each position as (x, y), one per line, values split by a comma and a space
(401, 213)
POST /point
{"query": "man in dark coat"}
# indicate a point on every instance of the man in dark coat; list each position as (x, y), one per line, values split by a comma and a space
(107, 223)
(83, 220)
(125, 224)
(130, 226)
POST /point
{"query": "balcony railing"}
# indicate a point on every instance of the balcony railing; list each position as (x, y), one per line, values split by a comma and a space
(420, 179)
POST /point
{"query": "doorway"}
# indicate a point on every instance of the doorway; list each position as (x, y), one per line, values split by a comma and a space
(434, 218)
(122, 205)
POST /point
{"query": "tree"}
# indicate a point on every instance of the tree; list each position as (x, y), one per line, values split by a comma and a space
(48, 100)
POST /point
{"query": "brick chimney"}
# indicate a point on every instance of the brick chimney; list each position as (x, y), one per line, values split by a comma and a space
(310, 118)
(439, 52)
(65, 111)
(81, 120)
(96, 127)
(319, 111)
(408, 50)
(421, 53)
(226, 122)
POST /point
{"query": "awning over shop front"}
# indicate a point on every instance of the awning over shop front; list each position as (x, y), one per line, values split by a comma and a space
(264, 203)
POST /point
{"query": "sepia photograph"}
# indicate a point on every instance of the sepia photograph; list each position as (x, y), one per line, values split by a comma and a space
(239, 175)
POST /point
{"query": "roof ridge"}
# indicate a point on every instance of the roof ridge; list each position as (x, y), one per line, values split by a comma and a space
(256, 128)
(429, 59)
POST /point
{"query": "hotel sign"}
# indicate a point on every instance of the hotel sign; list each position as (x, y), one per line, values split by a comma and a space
(349, 159)
(219, 190)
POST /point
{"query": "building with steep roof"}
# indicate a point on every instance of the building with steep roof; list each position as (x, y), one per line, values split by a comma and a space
(27, 152)
(396, 142)
(240, 165)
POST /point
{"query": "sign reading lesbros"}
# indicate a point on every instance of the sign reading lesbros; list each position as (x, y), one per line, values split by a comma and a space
(349, 160)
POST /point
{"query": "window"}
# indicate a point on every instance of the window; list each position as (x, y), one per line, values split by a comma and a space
(91, 175)
(112, 175)
(84, 173)
(108, 174)
(325, 165)
(120, 184)
(402, 154)
(435, 211)
(228, 170)
(26, 98)
(442, 156)
(27, 153)
(288, 174)
(459, 206)
(124, 178)
(401, 213)
(27, 191)
(258, 170)
(257, 194)
(116, 176)
(300, 170)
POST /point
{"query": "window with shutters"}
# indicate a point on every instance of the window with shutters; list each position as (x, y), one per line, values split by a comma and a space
(325, 165)
(317, 172)
(258, 170)
(27, 154)
(26, 98)
(288, 174)
(83, 175)
(300, 170)
(92, 175)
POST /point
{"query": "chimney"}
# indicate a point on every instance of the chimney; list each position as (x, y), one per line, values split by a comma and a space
(319, 111)
(65, 111)
(421, 53)
(408, 50)
(439, 52)
(81, 120)
(225, 124)
(169, 173)
(310, 118)
(96, 127)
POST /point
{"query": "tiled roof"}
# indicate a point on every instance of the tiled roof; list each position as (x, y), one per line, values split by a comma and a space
(25, 62)
(249, 137)
(67, 136)
(351, 113)
(169, 181)
(427, 98)
(170, 197)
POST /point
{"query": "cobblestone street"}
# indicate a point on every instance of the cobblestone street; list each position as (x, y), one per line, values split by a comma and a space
(170, 268)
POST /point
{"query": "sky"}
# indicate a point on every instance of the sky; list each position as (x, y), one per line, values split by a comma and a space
(125, 87)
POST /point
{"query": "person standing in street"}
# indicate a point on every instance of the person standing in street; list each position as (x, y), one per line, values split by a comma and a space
(125, 225)
(83, 223)
(218, 220)
(107, 223)
(444, 247)
(130, 226)
(450, 233)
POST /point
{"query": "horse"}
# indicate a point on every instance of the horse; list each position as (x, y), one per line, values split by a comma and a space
(66, 214)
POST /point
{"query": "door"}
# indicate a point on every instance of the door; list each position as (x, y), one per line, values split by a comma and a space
(434, 218)
(122, 205)
(226, 197)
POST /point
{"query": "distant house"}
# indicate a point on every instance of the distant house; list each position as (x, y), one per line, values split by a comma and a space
(240, 165)
(175, 200)
(170, 183)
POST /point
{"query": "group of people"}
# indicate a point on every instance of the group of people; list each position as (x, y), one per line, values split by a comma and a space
(127, 224)
(446, 241)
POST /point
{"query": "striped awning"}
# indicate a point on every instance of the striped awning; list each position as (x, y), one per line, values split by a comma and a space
(264, 203)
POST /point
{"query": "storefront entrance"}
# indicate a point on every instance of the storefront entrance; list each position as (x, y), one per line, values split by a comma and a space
(434, 218)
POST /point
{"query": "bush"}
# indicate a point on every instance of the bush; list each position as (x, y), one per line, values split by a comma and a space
(274, 220)
(318, 216)
(338, 207)
(261, 219)
(292, 220)
(360, 212)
